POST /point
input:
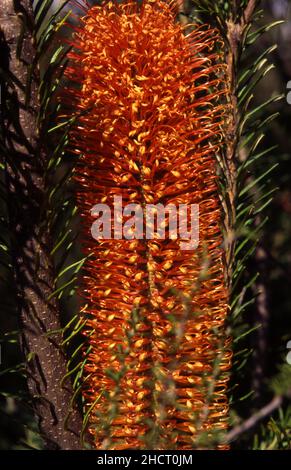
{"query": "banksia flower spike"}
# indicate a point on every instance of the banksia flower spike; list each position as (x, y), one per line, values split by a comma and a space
(149, 109)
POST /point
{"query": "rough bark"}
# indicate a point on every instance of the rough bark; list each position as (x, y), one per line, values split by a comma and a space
(235, 30)
(26, 161)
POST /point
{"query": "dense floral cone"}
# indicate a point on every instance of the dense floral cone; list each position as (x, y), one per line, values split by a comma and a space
(149, 106)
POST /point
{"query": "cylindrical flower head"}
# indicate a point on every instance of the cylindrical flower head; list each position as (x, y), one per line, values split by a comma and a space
(150, 101)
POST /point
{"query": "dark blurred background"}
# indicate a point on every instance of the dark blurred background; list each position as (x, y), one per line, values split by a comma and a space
(267, 364)
(267, 371)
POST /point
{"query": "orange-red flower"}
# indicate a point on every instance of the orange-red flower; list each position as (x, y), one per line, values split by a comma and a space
(149, 107)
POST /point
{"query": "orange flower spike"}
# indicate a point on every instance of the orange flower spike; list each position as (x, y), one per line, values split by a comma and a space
(149, 125)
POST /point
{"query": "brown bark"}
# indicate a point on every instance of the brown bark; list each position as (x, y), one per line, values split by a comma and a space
(235, 31)
(26, 161)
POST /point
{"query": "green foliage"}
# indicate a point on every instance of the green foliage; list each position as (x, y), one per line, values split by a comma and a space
(275, 433)
(254, 193)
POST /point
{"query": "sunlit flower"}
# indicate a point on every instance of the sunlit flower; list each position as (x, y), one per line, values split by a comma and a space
(149, 103)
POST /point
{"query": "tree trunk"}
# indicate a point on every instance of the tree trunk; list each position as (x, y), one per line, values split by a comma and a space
(26, 162)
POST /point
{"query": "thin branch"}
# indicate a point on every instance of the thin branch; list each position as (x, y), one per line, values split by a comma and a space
(235, 35)
(251, 422)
